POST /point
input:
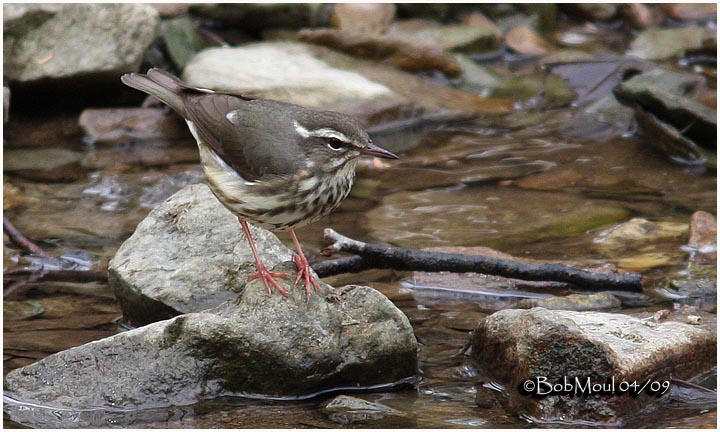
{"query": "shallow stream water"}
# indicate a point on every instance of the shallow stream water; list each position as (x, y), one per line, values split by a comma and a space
(529, 192)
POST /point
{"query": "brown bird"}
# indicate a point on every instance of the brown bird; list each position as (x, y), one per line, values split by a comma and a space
(275, 164)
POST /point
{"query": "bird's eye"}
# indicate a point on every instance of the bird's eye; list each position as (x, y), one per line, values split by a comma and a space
(334, 143)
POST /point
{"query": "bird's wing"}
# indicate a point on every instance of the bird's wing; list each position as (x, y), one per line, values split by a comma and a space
(255, 137)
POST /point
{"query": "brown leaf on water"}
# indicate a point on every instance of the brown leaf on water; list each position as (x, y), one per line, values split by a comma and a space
(524, 40)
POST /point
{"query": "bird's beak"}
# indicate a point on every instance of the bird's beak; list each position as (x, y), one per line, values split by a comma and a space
(373, 150)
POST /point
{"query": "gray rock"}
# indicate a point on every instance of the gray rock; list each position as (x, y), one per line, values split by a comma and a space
(458, 37)
(282, 70)
(659, 44)
(351, 410)
(481, 80)
(187, 256)
(516, 345)
(664, 94)
(75, 41)
(265, 345)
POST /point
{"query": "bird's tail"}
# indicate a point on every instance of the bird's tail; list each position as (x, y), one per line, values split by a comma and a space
(160, 84)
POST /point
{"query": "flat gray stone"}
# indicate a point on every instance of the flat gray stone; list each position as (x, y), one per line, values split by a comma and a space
(517, 345)
(75, 41)
(265, 345)
(281, 70)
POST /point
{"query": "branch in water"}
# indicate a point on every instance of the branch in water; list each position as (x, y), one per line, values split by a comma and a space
(20, 240)
(369, 255)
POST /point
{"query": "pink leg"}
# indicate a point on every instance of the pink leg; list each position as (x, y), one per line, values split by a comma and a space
(263, 273)
(303, 266)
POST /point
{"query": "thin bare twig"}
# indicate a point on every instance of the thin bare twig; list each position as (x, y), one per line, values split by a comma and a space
(22, 241)
(368, 255)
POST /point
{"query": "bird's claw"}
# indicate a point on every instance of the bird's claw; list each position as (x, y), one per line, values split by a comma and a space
(268, 278)
(304, 273)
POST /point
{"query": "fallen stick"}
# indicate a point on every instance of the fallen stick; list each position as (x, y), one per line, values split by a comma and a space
(370, 255)
(20, 240)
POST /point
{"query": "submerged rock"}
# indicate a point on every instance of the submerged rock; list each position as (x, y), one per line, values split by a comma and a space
(574, 302)
(522, 347)
(75, 41)
(635, 233)
(508, 217)
(351, 410)
(262, 345)
(45, 164)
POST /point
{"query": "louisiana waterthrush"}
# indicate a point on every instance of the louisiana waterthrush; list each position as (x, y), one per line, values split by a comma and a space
(272, 163)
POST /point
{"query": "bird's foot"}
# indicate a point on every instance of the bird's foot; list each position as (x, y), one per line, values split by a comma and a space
(304, 273)
(268, 278)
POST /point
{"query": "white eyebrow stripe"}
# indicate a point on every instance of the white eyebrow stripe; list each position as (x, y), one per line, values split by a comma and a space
(320, 133)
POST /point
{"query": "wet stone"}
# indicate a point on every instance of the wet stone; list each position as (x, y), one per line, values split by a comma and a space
(525, 40)
(262, 345)
(51, 164)
(363, 17)
(574, 302)
(118, 125)
(75, 41)
(20, 310)
(664, 95)
(405, 54)
(460, 38)
(347, 410)
(637, 231)
(703, 233)
(514, 345)
(412, 219)
(660, 44)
